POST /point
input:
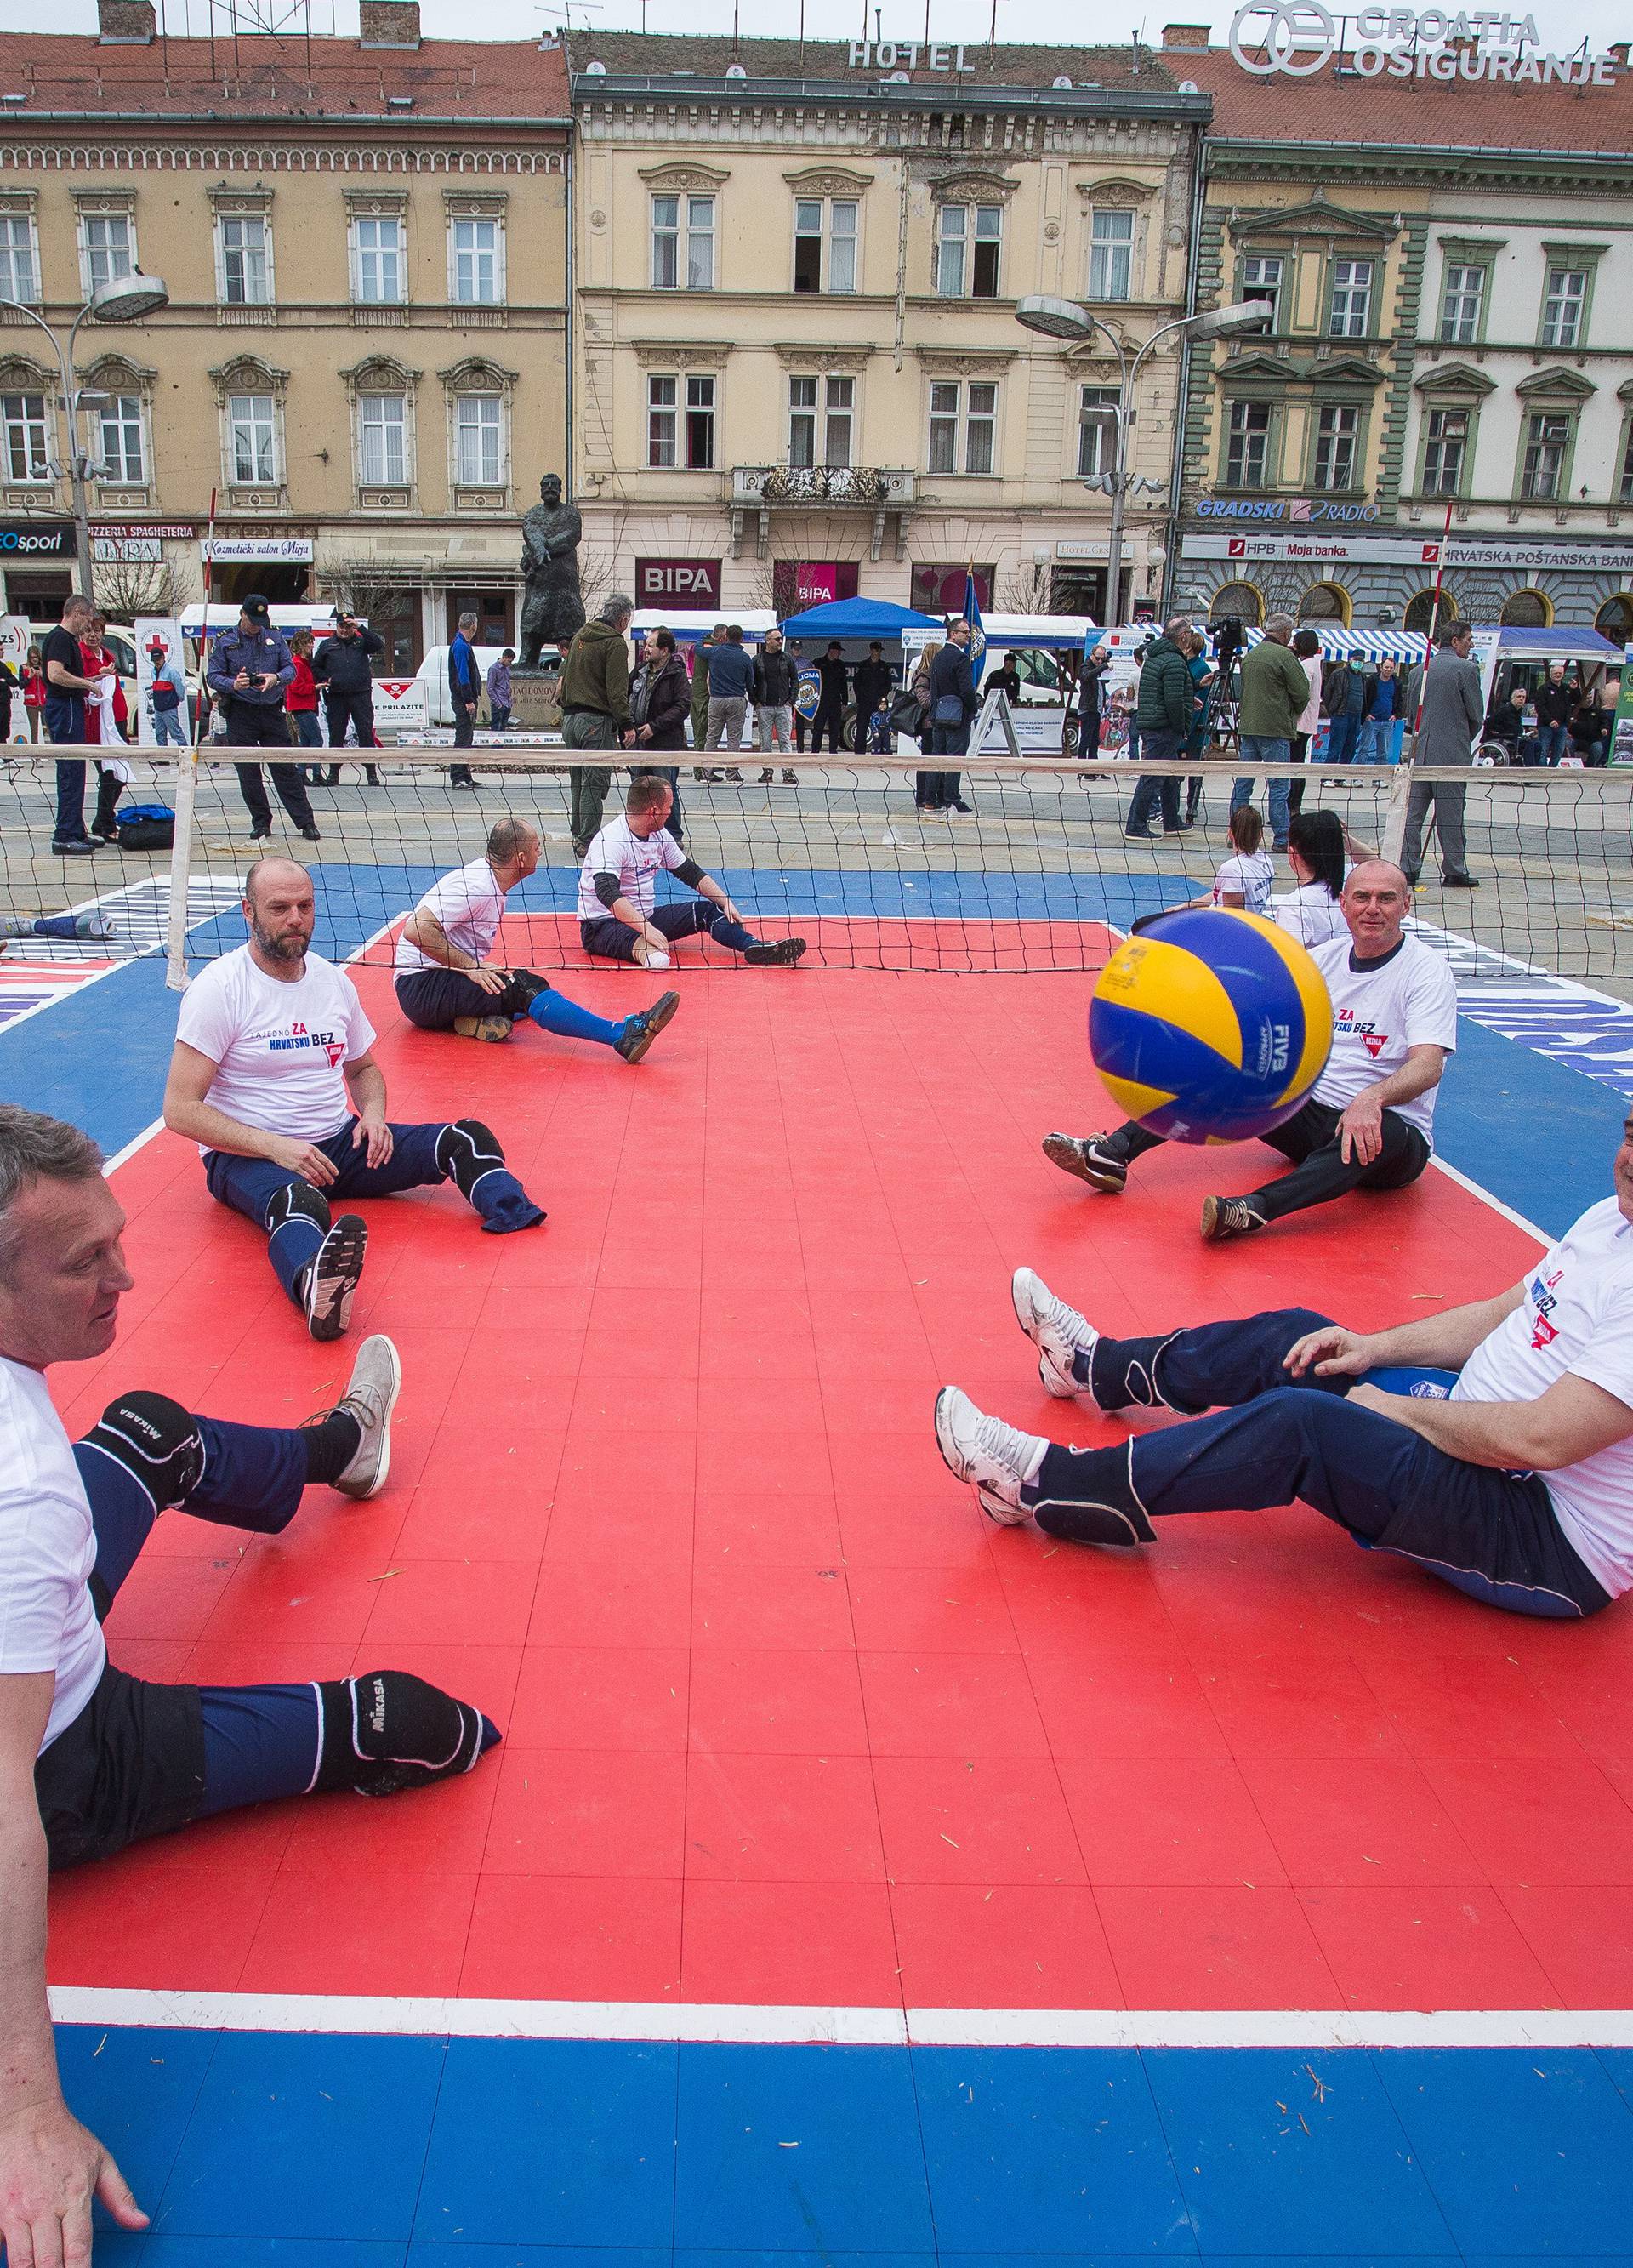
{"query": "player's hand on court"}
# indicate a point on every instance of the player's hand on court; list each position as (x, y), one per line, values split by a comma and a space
(1361, 1132)
(375, 1136)
(1384, 1405)
(488, 980)
(50, 2169)
(302, 1158)
(1330, 1352)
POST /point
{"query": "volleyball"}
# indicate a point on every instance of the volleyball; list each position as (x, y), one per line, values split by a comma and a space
(1211, 1025)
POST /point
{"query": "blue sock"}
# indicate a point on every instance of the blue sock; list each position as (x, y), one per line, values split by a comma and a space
(554, 1011)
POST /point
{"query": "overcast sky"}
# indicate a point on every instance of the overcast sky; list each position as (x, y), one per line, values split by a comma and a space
(1600, 21)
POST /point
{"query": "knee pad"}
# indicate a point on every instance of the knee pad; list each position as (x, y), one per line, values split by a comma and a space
(390, 1730)
(298, 1200)
(465, 1151)
(156, 1441)
(526, 986)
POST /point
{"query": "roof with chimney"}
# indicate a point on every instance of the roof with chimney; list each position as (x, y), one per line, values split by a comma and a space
(167, 80)
(1121, 70)
(1334, 106)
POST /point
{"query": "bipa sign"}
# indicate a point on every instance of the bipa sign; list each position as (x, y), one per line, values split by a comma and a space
(401, 707)
(1298, 38)
(677, 582)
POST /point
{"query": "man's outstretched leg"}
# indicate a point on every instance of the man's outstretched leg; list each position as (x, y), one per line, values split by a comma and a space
(317, 1257)
(450, 1000)
(1102, 1160)
(676, 921)
(468, 1153)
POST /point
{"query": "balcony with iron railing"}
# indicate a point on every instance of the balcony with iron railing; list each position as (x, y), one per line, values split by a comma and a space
(761, 489)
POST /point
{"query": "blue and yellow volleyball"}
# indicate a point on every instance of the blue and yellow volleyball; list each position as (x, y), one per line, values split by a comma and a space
(1211, 1025)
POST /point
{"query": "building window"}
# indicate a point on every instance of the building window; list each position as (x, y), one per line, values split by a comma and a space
(967, 251)
(1563, 306)
(123, 457)
(1097, 430)
(1111, 254)
(1446, 446)
(700, 423)
(108, 253)
(1420, 616)
(664, 431)
(1239, 602)
(24, 419)
(1528, 610)
(1460, 303)
(1625, 486)
(1325, 602)
(246, 267)
(1614, 619)
(963, 426)
(473, 262)
(824, 236)
(251, 422)
(19, 270)
(1547, 436)
(693, 219)
(378, 259)
(1261, 280)
(1248, 445)
(383, 422)
(1335, 434)
(478, 438)
(1350, 313)
(833, 402)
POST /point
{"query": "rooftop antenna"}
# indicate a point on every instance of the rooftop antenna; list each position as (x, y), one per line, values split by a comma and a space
(992, 29)
(564, 13)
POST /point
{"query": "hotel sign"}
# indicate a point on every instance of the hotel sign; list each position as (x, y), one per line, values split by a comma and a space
(905, 54)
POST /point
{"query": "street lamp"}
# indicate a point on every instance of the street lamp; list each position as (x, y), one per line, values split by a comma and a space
(1074, 325)
(122, 300)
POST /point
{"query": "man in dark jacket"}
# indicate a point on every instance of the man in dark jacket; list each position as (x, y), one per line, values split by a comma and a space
(1091, 687)
(953, 701)
(661, 696)
(465, 693)
(776, 681)
(595, 709)
(874, 681)
(731, 681)
(1555, 705)
(1455, 713)
(830, 714)
(341, 666)
(1164, 713)
(249, 667)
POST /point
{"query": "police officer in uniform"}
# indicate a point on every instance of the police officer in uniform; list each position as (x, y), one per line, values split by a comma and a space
(249, 667)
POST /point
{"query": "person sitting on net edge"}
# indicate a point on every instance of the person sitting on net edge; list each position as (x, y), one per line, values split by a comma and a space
(1368, 1122)
(617, 918)
(1492, 1443)
(92, 1759)
(269, 1040)
(445, 983)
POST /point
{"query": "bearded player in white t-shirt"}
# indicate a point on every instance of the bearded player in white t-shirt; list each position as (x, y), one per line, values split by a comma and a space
(92, 1759)
(1368, 1122)
(274, 1076)
(1493, 1443)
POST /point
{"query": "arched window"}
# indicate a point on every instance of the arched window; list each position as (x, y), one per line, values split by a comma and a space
(1614, 619)
(1528, 610)
(1243, 601)
(1325, 602)
(1420, 610)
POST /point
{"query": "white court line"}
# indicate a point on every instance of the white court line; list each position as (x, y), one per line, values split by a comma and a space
(1496, 1203)
(730, 2024)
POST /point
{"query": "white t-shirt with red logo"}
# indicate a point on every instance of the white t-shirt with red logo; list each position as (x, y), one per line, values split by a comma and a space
(467, 906)
(1380, 1013)
(277, 1048)
(1575, 1320)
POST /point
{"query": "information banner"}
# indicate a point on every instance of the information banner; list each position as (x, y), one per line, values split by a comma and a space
(158, 641)
(1622, 739)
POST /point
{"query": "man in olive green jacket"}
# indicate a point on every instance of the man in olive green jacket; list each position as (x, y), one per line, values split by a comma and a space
(1275, 690)
(595, 709)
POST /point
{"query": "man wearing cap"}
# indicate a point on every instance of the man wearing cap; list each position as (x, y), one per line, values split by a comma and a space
(249, 667)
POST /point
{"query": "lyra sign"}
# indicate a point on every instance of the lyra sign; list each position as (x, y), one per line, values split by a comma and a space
(1300, 37)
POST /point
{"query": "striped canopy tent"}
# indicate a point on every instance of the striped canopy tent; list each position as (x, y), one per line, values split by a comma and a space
(1560, 643)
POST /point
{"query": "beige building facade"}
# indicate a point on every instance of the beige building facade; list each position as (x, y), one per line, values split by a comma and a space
(364, 355)
(799, 371)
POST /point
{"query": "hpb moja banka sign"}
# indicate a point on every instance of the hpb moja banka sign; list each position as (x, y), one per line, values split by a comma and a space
(1300, 37)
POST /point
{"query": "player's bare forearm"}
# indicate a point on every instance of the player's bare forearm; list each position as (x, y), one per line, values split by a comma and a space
(1445, 1342)
(632, 918)
(710, 889)
(1572, 1419)
(367, 1082)
(202, 1123)
(1421, 1071)
(427, 933)
(28, 2054)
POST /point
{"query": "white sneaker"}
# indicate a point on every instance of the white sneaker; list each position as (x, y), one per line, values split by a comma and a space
(1058, 1331)
(996, 1459)
(370, 1396)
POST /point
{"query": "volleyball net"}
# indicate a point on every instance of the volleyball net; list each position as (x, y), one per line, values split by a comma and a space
(1040, 876)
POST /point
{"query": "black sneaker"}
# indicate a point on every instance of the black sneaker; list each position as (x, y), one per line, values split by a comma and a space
(1088, 1157)
(80, 847)
(1222, 1218)
(1459, 882)
(331, 1280)
(640, 1031)
(311, 835)
(782, 954)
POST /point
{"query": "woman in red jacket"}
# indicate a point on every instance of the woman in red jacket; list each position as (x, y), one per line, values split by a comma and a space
(301, 699)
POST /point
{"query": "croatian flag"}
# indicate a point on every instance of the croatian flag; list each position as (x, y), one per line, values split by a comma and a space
(977, 635)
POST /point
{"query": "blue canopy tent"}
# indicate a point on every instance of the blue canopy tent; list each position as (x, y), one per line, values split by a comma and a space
(867, 619)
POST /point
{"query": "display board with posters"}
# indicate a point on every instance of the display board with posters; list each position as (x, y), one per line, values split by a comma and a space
(16, 635)
(158, 641)
(401, 708)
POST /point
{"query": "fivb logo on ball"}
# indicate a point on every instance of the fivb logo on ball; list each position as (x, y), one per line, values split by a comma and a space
(1298, 38)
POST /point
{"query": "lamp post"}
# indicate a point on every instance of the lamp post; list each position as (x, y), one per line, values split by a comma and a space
(123, 299)
(1067, 321)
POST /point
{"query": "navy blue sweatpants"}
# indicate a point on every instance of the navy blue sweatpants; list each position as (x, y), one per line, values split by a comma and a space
(1272, 1438)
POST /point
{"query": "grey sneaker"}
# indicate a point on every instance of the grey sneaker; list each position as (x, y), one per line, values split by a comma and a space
(1087, 1157)
(1227, 1216)
(996, 1460)
(641, 1030)
(370, 1397)
(1058, 1331)
(333, 1276)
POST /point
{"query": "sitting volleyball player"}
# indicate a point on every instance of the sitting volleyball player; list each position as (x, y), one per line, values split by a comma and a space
(269, 1041)
(445, 983)
(1368, 1122)
(617, 918)
(91, 1758)
(1493, 1443)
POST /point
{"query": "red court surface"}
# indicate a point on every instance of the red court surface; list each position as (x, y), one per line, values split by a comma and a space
(786, 1720)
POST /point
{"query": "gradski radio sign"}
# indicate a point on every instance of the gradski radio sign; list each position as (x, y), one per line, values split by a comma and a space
(1298, 38)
